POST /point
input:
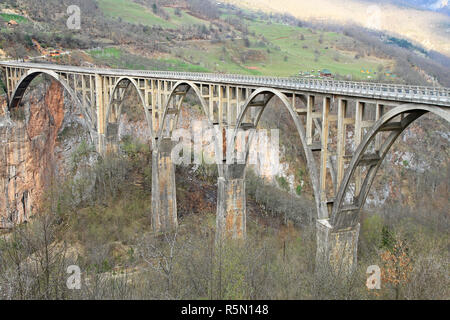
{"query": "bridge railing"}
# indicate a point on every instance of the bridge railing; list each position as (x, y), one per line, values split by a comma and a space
(362, 89)
(335, 86)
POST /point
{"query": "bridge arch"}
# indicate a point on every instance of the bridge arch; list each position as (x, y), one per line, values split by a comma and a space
(181, 89)
(117, 97)
(164, 200)
(346, 216)
(273, 93)
(185, 86)
(25, 82)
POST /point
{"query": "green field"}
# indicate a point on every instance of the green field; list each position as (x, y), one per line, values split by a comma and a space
(179, 65)
(275, 49)
(106, 53)
(185, 19)
(132, 12)
(316, 51)
(117, 58)
(282, 58)
(219, 57)
(17, 18)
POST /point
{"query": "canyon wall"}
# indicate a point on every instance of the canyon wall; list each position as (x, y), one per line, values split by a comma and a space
(31, 152)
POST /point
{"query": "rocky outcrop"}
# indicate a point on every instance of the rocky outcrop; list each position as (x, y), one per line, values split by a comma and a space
(27, 155)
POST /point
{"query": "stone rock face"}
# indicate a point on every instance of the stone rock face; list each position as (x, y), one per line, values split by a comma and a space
(27, 156)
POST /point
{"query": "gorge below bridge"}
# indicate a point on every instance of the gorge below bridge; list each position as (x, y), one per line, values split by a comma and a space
(341, 166)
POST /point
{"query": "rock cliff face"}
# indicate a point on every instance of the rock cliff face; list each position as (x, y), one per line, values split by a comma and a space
(27, 155)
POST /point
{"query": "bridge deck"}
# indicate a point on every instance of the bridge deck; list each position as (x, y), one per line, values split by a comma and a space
(390, 92)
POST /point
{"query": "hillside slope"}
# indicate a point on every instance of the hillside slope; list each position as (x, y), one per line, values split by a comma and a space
(429, 29)
(205, 36)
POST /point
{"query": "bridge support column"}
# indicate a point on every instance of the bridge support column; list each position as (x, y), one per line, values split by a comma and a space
(231, 203)
(164, 198)
(336, 249)
(100, 93)
(112, 138)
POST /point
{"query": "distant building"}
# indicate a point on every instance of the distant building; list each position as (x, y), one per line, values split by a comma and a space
(326, 73)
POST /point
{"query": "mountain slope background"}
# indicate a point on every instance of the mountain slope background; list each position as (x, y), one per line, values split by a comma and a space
(429, 29)
(433, 5)
(205, 36)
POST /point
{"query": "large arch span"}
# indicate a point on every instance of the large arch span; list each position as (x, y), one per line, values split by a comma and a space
(164, 201)
(115, 106)
(254, 101)
(25, 82)
(172, 107)
(347, 216)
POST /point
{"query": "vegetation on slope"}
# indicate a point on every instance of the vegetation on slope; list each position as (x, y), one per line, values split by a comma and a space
(132, 12)
(261, 47)
(202, 36)
(108, 234)
(426, 28)
(118, 58)
(14, 17)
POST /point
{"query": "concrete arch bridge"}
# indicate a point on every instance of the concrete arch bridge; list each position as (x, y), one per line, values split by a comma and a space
(341, 167)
